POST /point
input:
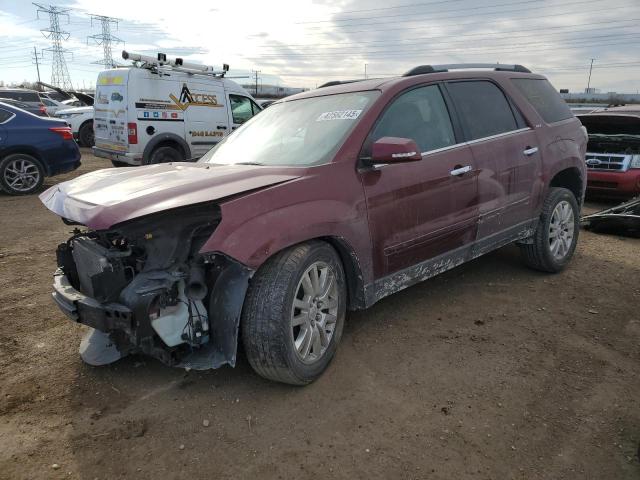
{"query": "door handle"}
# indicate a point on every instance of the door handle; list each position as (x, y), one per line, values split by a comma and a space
(221, 127)
(530, 151)
(456, 172)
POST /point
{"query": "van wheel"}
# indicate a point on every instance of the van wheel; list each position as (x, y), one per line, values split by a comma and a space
(20, 174)
(85, 135)
(294, 312)
(556, 237)
(165, 154)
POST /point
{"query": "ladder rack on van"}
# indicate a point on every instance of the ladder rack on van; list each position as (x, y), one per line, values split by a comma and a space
(161, 63)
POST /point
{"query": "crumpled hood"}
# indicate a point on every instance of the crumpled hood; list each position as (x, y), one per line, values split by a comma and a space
(106, 197)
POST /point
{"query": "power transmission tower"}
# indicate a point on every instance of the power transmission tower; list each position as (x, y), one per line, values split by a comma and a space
(59, 72)
(105, 39)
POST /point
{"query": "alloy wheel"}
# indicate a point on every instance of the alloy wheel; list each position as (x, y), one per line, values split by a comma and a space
(561, 230)
(314, 312)
(22, 175)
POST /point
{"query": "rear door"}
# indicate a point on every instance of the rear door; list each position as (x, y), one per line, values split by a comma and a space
(110, 111)
(205, 114)
(242, 109)
(420, 210)
(505, 151)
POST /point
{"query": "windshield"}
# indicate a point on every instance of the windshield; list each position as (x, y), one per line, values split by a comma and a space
(296, 133)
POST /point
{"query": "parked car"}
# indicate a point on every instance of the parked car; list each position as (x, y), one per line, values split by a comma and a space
(39, 111)
(327, 201)
(23, 95)
(613, 152)
(32, 148)
(52, 106)
(80, 119)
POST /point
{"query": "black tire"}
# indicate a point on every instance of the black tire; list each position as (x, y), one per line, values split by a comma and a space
(165, 154)
(538, 254)
(85, 135)
(267, 331)
(118, 164)
(27, 186)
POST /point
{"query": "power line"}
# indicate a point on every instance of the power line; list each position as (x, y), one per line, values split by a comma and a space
(524, 33)
(447, 48)
(59, 73)
(463, 9)
(521, 18)
(106, 38)
(435, 15)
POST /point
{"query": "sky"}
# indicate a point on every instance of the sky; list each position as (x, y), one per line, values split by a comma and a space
(304, 43)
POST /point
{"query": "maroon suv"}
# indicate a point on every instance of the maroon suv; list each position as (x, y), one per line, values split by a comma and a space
(328, 200)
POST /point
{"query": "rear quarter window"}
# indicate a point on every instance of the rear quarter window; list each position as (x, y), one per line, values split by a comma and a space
(544, 98)
(5, 115)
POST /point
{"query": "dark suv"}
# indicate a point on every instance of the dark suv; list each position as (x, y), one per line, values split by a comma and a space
(327, 201)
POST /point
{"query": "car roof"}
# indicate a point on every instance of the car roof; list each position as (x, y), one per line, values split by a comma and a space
(384, 84)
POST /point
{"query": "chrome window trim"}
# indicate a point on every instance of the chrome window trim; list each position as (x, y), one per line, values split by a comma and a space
(477, 140)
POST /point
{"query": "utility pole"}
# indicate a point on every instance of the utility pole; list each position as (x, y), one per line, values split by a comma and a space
(589, 81)
(59, 73)
(35, 58)
(256, 72)
(105, 39)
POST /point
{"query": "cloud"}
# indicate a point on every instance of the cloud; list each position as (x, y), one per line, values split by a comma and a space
(305, 42)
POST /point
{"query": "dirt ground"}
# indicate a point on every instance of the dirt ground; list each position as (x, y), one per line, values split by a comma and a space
(490, 371)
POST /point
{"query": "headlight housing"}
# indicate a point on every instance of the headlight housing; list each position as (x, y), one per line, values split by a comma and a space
(635, 161)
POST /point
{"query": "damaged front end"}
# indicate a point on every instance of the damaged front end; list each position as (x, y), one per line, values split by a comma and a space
(145, 284)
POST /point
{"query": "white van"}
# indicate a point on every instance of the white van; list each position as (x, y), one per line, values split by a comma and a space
(157, 111)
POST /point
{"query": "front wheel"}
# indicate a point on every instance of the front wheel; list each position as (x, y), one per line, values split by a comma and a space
(294, 313)
(20, 174)
(85, 135)
(556, 236)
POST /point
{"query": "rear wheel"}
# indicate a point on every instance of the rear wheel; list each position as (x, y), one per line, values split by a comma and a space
(20, 174)
(165, 154)
(294, 313)
(556, 237)
(85, 135)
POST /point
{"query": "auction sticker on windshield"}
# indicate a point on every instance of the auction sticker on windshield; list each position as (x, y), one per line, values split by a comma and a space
(339, 115)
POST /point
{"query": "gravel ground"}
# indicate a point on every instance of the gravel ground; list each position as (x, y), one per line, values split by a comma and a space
(487, 371)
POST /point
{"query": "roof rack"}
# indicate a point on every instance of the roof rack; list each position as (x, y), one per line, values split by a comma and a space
(161, 62)
(499, 67)
(341, 82)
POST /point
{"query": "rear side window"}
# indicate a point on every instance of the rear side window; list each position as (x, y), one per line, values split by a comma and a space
(21, 96)
(544, 98)
(483, 108)
(5, 115)
(420, 115)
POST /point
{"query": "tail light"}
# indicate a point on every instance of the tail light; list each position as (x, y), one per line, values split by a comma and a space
(65, 132)
(132, 129)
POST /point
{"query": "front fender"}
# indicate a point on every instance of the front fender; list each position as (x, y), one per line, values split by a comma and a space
(256, 226)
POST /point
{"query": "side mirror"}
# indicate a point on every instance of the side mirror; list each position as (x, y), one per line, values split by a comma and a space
(395, 150)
